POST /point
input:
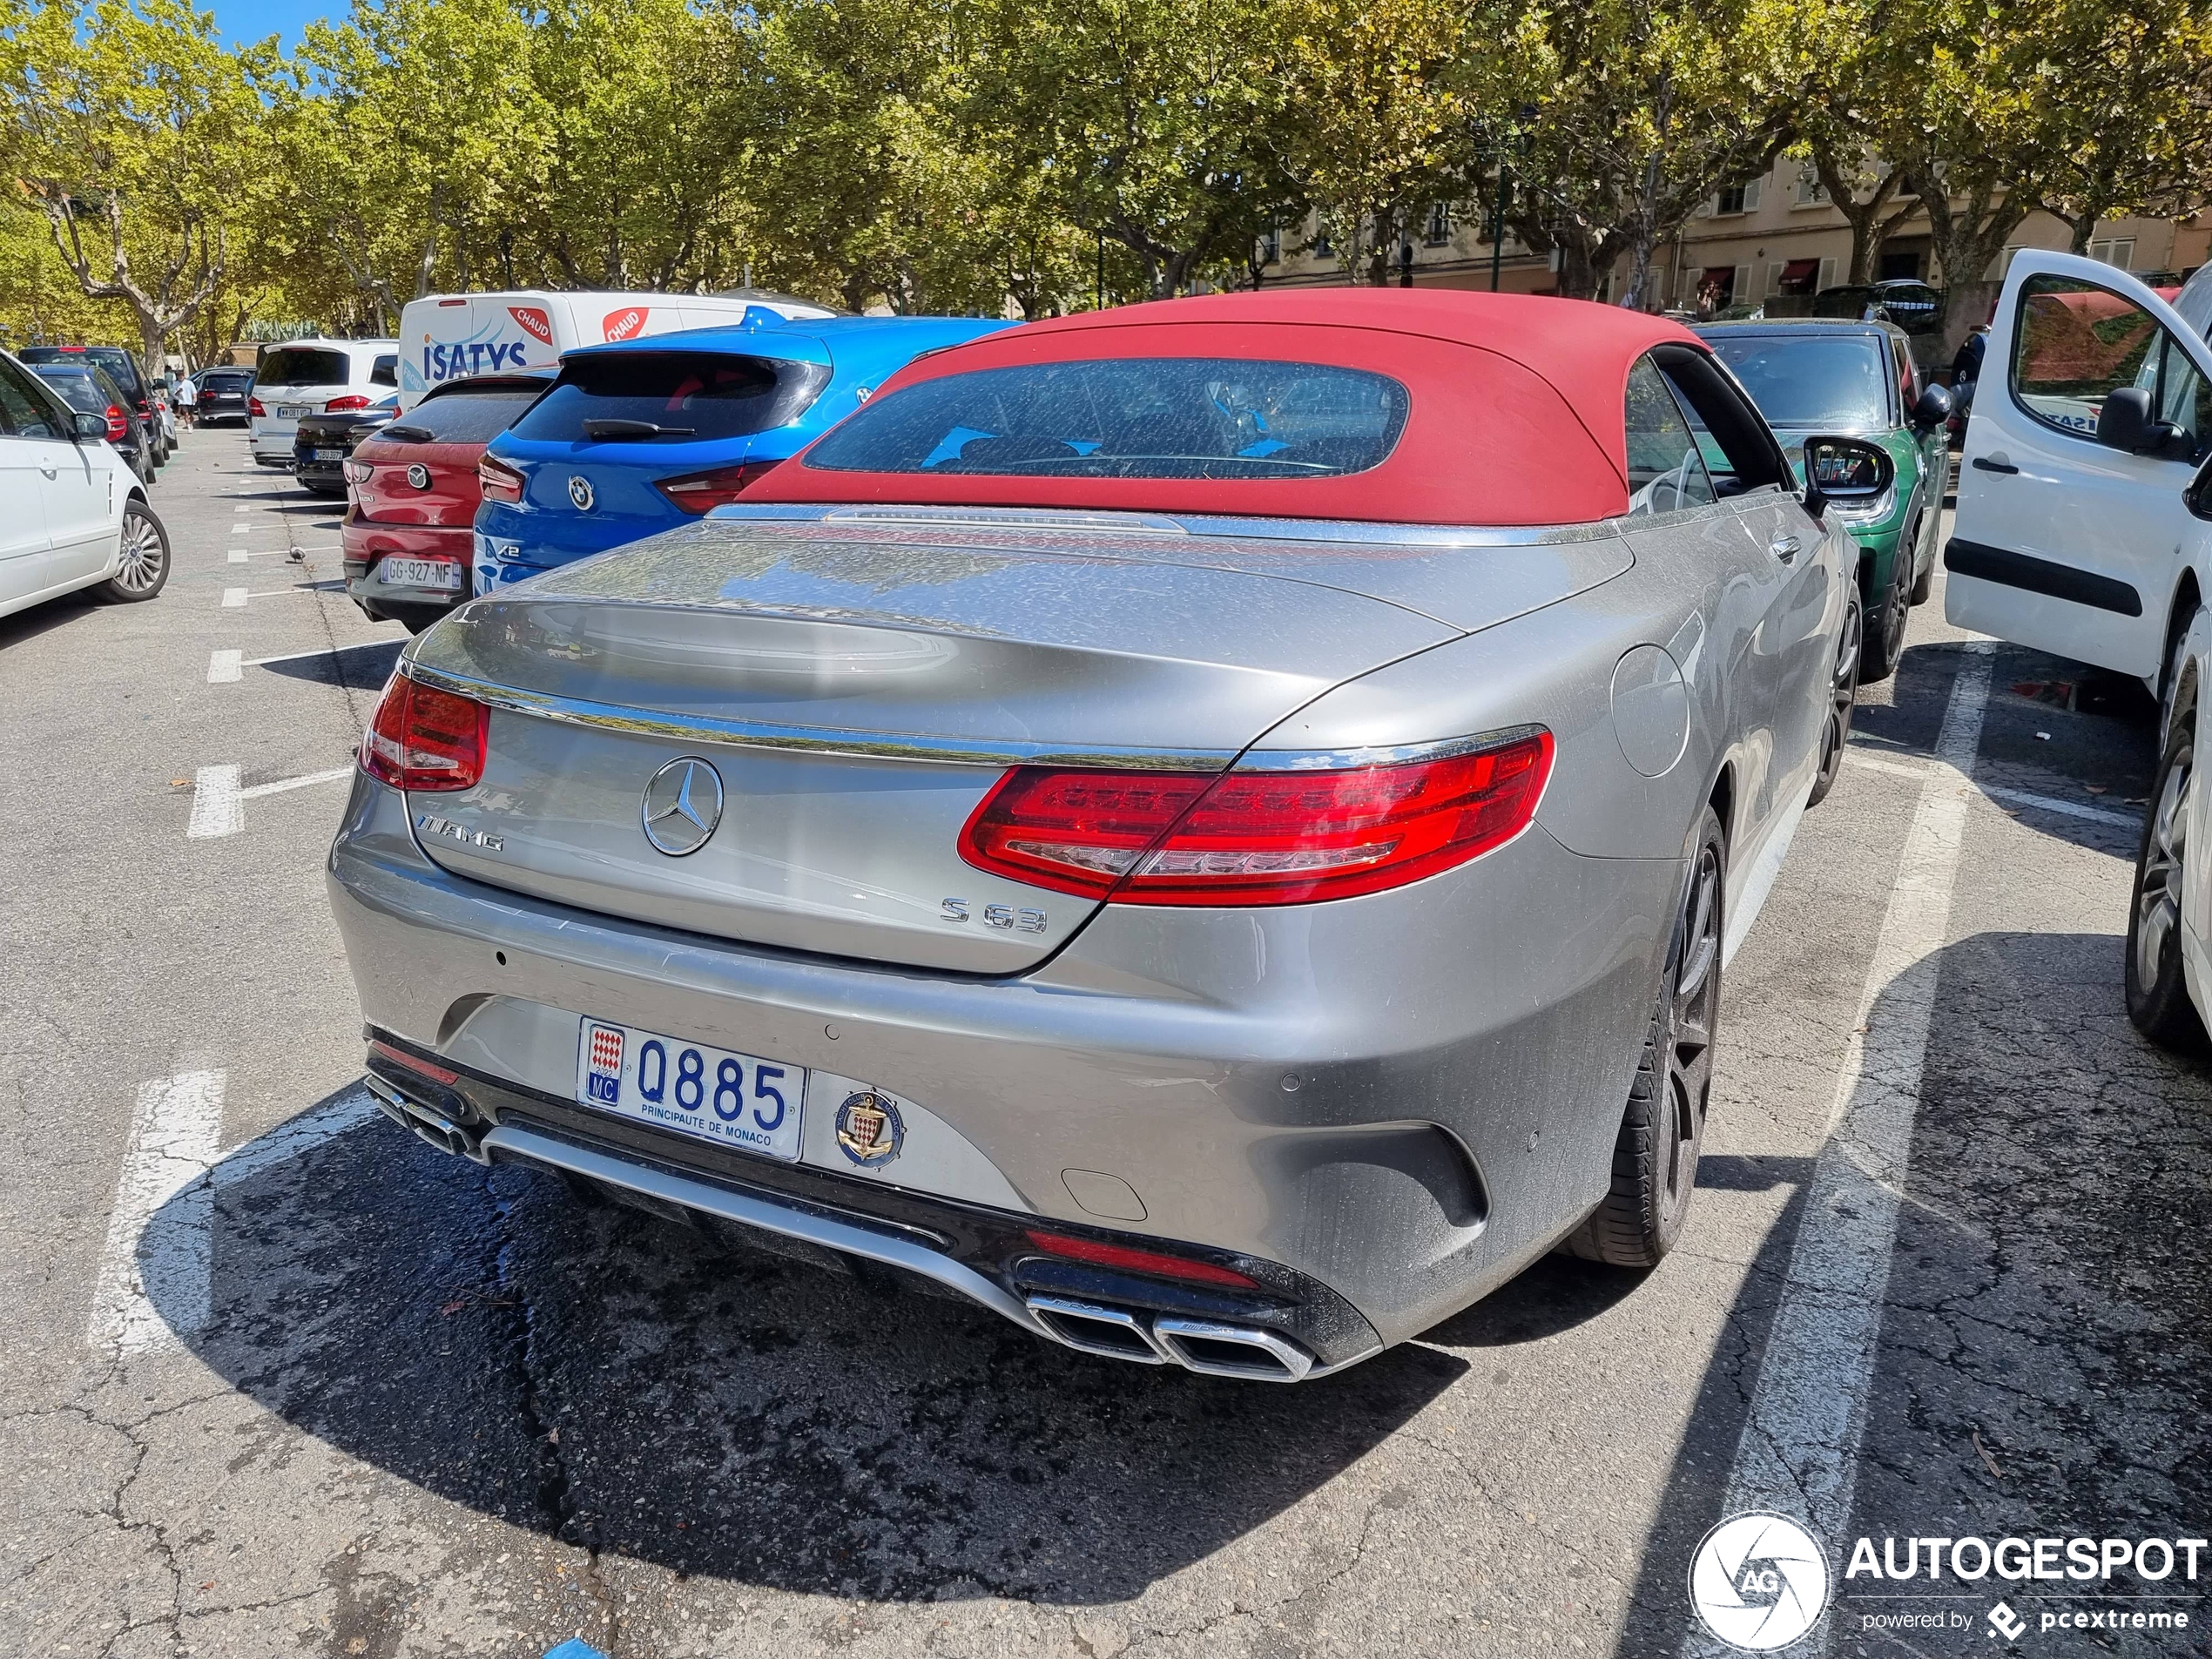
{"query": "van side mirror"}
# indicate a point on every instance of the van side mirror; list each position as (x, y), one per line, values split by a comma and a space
(1932, 409)
(1844, 472)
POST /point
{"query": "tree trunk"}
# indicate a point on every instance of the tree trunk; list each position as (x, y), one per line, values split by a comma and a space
(1965, 240)
(1868, 229)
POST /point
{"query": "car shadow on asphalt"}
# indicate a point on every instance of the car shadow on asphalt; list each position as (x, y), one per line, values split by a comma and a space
(358, 668)
(2043, 1346)
(42, 619)
(627, 1384)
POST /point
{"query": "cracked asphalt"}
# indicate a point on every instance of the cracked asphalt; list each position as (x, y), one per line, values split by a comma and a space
(430, 1409)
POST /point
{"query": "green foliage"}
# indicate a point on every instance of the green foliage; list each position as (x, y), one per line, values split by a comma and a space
(1030, 155)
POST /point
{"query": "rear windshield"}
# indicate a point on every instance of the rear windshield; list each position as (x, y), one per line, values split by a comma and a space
(463, 417)
(227, 380)
(78, 388)
(303, 366)
(1837, 382)
(1157, 417)
(688, 397)
(114, 359)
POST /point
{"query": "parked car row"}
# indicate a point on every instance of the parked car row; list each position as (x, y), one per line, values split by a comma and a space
(873, 845)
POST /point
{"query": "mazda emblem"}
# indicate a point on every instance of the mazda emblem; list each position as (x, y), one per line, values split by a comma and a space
(580, 492)
(418, 476)
(683, 805)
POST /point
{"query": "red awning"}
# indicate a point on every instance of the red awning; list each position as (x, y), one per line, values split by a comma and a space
(1800, 270)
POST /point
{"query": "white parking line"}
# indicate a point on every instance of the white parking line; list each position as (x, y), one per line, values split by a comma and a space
(223, 666)
(1798, 1452)
(219, 805)
(2018, 797)
(239, 556)
(155, 1276)
(217, 808)
(235, 598)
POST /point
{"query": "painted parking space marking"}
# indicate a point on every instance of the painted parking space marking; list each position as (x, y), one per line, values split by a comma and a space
(216, 808)
(2016, 797)
(223, 666)
(235, 598)
(239, 556)
(219, 801)
(156, 1280)
(156, 1260)
(1798, 1451)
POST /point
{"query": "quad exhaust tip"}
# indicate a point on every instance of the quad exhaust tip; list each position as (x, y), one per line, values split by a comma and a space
(1202, 1346)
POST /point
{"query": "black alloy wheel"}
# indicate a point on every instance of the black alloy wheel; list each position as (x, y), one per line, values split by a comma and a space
(1654, 1159)
(1843, 701)
(2157, 989)
(1892, 610)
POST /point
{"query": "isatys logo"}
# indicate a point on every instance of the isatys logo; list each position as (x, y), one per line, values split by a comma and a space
(1759, 1581)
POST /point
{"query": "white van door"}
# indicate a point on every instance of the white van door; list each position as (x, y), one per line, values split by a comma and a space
(2093, 407)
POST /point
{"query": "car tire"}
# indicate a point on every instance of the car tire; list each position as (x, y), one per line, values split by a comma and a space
(1887, 617)
(2157, 990)
(1842, 702)
(144, 569)
(1654, 1158)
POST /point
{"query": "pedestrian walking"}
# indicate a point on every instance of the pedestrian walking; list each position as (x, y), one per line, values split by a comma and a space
(187, 401)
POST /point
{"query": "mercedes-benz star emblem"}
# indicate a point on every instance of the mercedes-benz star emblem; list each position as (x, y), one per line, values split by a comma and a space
(418, 476)
(683, 805)
(580, 492)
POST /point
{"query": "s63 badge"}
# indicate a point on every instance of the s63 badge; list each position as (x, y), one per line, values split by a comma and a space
(869, 1130)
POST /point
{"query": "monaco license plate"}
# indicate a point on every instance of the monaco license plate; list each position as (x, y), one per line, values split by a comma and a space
(710, 1094)
(327, 454)
(294, 411)
(442, 574)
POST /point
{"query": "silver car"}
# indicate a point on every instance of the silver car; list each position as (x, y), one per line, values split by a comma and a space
(1210, 829)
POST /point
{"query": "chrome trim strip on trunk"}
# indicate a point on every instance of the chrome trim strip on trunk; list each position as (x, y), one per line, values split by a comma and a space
(1349, 532)
(808, 739)
(1397, 755)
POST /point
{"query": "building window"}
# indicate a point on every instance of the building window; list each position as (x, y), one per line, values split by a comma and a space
(1440, 226)
(2119, 250)
(1737, 199)
(1811, 191)
(1271, 245)
(1324, 246)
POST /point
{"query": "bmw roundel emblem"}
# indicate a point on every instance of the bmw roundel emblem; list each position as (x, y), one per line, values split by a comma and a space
(580, 492)
(418, 476)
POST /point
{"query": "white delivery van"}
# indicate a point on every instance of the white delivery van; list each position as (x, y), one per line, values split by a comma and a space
(445, 336)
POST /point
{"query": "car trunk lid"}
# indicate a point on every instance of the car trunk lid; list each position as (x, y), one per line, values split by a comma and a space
(858, 691)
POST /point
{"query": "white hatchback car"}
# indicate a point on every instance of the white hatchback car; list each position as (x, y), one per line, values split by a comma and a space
(2085, 528)
(72, 513)
(316, 377)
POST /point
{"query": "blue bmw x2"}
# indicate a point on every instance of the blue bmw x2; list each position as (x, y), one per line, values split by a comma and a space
(637, 437)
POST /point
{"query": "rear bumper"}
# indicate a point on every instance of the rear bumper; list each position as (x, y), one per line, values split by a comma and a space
(363, 545)
(1403, 1099)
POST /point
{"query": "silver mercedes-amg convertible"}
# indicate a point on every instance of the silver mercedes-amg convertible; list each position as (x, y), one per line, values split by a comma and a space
(1212, 829)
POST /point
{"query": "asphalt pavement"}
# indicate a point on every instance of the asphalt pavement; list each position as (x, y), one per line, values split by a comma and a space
(280, 1379)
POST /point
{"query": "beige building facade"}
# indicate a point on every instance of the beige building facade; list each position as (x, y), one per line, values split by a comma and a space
(1771, 241)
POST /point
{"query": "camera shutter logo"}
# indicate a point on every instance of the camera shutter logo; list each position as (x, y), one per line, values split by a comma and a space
(1759, 1581)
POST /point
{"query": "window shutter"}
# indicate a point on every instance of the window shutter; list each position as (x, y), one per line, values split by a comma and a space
(1751, 195)
(1773, 279)
(1827, 273)
(1743, 286)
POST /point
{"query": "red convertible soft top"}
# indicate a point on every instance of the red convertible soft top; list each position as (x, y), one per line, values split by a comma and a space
(1515, 408)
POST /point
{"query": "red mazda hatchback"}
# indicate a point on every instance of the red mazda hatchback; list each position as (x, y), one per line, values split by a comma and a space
(408, 534)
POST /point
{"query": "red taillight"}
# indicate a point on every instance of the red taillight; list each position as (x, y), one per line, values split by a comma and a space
(253, 408)
(420, 737)
(401, 1058)
(699, 492)
(340, 405)
(501, 481)
(118, 423)
(1137, 1261)
(1256, 838)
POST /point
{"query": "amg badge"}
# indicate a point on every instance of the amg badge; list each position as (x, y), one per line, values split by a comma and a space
(446, 829)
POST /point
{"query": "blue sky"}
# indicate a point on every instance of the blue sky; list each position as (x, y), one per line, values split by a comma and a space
(244, 20)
